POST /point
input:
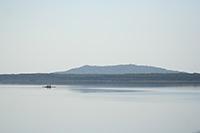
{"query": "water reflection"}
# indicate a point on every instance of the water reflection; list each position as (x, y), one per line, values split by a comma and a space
(84, 90)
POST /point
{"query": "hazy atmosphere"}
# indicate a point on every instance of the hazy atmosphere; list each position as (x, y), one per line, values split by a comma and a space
(39, 36)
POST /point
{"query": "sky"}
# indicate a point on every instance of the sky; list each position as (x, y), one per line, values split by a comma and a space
(42, 36)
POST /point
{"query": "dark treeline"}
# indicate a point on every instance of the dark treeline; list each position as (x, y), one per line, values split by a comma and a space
(176, 78)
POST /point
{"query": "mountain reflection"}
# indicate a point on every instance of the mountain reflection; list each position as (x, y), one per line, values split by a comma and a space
(103, 91)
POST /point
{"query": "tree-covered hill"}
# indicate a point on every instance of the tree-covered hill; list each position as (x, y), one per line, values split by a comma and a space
(117, 69)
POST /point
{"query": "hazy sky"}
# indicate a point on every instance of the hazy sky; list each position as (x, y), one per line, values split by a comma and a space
(55, 35)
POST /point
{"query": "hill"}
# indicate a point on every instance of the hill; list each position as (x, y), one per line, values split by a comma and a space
(117, 69)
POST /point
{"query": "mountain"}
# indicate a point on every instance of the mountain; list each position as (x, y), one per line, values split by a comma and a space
(116, 69)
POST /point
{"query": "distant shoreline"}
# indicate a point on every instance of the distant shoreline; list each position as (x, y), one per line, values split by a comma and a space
(173, 79)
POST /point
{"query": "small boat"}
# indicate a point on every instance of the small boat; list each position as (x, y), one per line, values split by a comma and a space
(49, 86)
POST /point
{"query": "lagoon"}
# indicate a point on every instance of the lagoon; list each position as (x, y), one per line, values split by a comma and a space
(99, 109)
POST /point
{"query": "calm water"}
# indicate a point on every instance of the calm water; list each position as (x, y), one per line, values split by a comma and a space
(82, 109)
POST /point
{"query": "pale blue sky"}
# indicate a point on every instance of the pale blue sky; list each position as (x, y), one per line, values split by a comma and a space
(55, 35)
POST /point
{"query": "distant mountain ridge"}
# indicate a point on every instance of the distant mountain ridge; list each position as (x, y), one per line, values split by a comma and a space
(117, 69)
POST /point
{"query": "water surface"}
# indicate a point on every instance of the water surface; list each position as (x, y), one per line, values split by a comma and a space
(87, 109)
